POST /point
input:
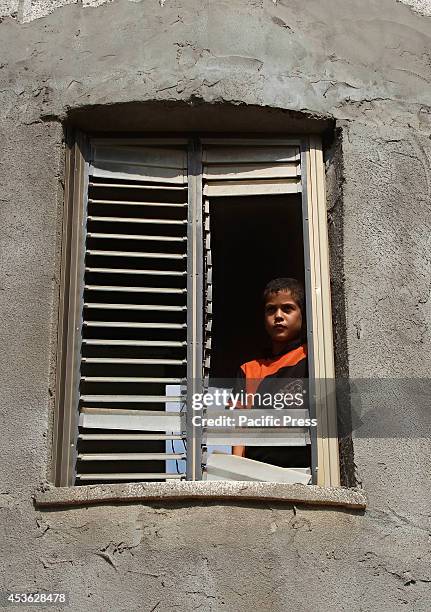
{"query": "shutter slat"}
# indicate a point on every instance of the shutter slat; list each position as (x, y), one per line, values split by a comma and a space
(248, 142)
(131, 476)
(131, 325)
(133, 361)
(130, 456)
(133, 203)
(124, 342)
(147, 237)
(251, 187)
(137, 220)
(132, 186)
(131, 172)
(137, 379)
(299, 437)
(170, 290)
(253, 171)
(122, 419)
(122, 436)
(149, 307)
(136, 254)
(243, 154)
(159, 414)
(133, 271)
(145, 399)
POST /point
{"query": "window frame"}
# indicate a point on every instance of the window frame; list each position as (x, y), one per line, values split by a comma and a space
(319, 313)
(70, 305)
(324, 439)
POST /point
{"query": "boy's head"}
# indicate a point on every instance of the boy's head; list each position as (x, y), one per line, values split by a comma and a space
(284, 314)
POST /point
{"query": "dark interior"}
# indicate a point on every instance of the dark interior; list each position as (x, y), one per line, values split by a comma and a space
(253, 240)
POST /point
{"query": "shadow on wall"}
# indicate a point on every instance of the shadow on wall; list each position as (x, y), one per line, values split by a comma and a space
(194, 116)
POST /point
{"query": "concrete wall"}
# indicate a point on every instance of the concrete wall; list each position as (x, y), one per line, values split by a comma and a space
(365, 65)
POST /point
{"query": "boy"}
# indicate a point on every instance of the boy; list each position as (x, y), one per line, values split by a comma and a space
(284, 320)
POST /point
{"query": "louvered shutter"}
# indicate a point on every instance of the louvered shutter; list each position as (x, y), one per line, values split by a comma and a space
(240, 169)
(208, 308)
(243, 167)
(134, 316)
(145, 332)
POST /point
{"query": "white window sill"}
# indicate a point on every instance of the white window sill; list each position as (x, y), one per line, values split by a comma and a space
(310, 495)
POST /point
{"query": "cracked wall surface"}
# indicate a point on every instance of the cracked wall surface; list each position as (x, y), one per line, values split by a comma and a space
(367, 66)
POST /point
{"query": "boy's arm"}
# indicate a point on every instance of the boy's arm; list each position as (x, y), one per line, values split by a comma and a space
(239, 386)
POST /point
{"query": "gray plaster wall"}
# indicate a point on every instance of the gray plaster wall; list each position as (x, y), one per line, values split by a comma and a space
(367, 66)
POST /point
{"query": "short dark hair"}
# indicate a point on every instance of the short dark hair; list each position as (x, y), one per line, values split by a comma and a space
(286, 284)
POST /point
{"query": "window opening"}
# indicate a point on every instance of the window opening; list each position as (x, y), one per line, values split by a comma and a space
(163, 238)
(254, 210)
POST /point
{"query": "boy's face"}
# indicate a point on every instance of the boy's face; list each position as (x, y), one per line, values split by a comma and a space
(283, 318)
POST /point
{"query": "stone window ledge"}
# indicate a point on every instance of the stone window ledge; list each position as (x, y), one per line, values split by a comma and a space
(177, 491)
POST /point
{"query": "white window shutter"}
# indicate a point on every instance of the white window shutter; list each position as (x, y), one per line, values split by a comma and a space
(134, 315)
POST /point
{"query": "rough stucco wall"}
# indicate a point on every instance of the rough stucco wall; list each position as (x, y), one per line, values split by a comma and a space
(365, 64)
(27, 10)
(278, 55)
(421, 6)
